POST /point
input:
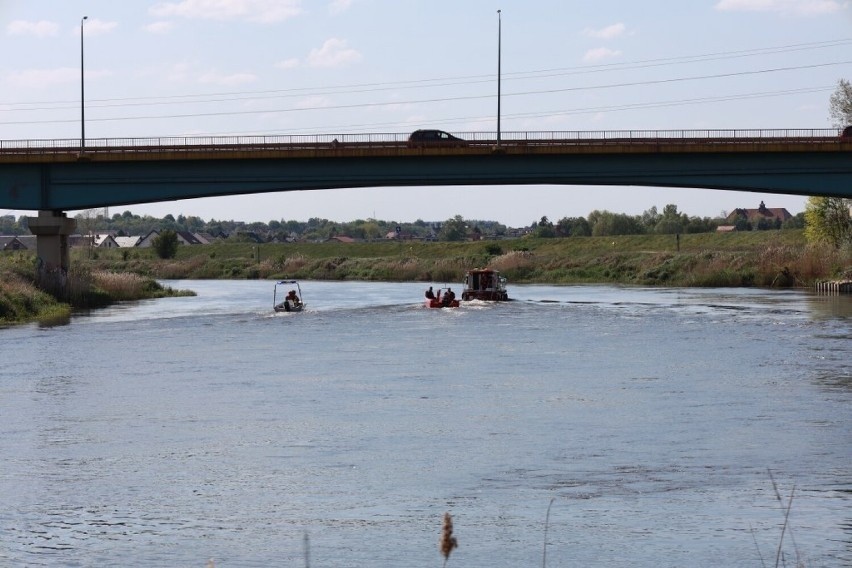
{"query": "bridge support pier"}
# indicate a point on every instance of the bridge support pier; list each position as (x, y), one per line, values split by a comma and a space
(52, 229)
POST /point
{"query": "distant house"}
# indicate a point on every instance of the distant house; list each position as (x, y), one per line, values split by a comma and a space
(342, 239)
(208, 238)
(104, 241)
(761, 215)
(11, 243)
(78, 240)
(187, 238)
(29, 241)
(148, 240)
(127, 242)
(726, 228)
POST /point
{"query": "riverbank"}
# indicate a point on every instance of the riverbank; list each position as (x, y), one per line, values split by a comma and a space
(778, 259)
(757, 258)
(21, 300)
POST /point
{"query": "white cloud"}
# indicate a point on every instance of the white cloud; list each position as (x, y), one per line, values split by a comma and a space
(339, 6)
(784, 7)
(333, 53)
(263, 11)
(94, 27)
(42, 28)
(291, 63)
(609, 32)
(215, 78)
(159, 27)
(41, 78)
(313, 102)
(600, 53)
(177, 73)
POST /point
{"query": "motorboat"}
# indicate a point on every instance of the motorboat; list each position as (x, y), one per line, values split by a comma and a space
(441, 299)
(484, 284)
(290, 301)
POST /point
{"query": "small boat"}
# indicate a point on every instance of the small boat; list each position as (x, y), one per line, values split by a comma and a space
(484, 284)
(442, 300)
(291, 301)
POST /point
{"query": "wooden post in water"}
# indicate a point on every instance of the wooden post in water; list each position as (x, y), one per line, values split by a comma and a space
(834, 287)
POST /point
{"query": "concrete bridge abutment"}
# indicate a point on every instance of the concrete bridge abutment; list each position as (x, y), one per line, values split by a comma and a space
(52, 229)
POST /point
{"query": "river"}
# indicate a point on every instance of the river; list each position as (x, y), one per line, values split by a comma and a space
(580, 426)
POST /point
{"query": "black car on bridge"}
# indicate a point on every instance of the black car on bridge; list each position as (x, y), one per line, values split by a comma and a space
(431, 138)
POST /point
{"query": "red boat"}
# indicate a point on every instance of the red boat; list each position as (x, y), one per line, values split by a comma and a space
(444, 298)
(484, 284)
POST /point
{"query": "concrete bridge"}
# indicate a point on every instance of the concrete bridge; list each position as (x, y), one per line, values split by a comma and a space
(54, 176)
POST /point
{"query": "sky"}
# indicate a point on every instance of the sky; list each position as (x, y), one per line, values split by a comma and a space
(267, 67)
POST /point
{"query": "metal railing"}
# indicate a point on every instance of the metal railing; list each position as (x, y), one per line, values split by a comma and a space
(400, 140)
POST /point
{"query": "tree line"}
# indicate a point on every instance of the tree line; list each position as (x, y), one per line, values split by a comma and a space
(598, 223)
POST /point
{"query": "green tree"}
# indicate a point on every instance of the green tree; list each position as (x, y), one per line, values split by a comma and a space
(606, 223)
(166, 244)
(840, 104)
(671, 221)
(797, 221)
(573, 227)
(650, 218)
(827, 220)
(454, 229)
(545, 229)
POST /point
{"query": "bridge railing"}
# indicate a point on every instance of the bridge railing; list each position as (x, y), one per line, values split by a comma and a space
(398, 140)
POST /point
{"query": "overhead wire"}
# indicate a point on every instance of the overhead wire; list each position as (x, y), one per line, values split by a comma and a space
(430, 83)
(555, 112)
(437, 99)
(454, 81)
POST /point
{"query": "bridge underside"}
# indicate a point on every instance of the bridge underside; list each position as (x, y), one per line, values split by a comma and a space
(88, 184)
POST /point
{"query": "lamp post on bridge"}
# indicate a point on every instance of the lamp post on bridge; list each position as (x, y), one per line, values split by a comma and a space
(82, 91)
(499, 37)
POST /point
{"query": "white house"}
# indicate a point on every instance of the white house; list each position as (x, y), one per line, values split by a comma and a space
(104, 241)
(128, 242)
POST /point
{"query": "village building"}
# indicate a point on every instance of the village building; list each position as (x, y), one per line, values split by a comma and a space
(11, 243)
(763, 216)
(127, 242)
(104, 241)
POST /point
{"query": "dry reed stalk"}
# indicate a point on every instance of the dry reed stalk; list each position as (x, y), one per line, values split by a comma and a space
(785, 528)
(124, 285)
(512, 260)
(448, 541)
(293, 263)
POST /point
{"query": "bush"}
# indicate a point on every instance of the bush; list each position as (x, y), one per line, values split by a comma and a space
(166, 244)
(493, 249)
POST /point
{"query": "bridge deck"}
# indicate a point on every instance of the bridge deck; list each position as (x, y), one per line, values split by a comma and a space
(380, 145)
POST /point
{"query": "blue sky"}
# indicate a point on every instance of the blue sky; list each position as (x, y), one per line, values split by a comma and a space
(232, 67)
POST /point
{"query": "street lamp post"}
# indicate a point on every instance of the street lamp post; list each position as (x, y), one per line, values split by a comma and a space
(82, 92)
(499, 37)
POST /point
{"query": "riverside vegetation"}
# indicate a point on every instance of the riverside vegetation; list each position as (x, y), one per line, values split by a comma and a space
(781, 259)
(21, 300)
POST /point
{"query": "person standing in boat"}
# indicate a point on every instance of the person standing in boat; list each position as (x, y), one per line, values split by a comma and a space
(430, 295)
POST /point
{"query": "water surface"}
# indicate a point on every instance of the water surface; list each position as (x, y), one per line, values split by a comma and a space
(651, 423)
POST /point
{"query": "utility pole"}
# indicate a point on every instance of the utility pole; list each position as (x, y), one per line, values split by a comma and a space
(82, 91)
(499, 39)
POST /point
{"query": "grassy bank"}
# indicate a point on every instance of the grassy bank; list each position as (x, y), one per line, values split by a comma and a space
(21, 300)
(758, 258)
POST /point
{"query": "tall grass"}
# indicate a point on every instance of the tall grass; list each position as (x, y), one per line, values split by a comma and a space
(26, 295)
(20, 301)
(755, 258)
